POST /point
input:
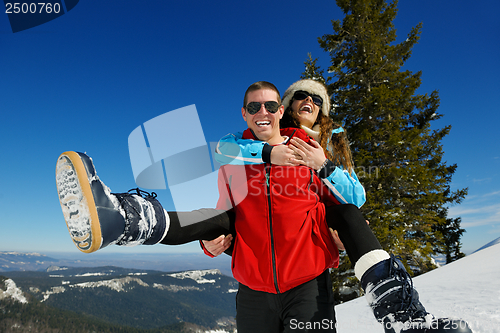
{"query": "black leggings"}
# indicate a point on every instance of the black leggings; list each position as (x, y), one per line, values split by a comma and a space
(201, 224)
(354, 232)
(207, 224)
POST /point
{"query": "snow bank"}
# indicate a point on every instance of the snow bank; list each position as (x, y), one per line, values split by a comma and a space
(13, 292)
(196, 275)
(468, 288)
(114, 284)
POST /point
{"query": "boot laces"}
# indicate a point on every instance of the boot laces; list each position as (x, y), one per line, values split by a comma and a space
(127, 207)
(137, 191)
(142, 193)
(399, 273)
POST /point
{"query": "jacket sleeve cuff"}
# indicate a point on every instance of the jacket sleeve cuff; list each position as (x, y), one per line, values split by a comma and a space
(327, 169)
(266, 153)
(206, 251)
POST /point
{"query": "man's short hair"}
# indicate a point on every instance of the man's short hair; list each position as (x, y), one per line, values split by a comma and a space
(259, 86)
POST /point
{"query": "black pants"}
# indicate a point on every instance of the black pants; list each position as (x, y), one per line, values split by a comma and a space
(306, 308)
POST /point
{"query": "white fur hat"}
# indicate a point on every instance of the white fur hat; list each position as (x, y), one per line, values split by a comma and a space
(312, 87)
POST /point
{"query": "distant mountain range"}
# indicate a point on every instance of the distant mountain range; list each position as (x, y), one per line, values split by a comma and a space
(133, 297)
(18, 261)
(130, 297)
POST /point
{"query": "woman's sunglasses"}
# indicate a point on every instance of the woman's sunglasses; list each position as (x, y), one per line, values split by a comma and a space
(254, 107)
(301, 95)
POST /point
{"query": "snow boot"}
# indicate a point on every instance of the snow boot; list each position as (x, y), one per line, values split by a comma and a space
(145, 218)
(95, 217)
(395, 303)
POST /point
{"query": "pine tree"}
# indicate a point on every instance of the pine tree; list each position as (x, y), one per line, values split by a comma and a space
(398, 157)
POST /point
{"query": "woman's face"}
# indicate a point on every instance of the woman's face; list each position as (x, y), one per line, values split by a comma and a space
(305, 111)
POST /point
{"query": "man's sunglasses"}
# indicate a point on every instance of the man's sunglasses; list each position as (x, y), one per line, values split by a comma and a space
(254, 107)
(301, 95)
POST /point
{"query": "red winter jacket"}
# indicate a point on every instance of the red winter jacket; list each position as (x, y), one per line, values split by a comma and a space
(282, 239)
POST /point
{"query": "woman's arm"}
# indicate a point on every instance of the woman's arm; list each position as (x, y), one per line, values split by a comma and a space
(346, 187)
(232, 149)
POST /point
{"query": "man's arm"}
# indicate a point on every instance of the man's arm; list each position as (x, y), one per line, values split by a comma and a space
(223, 243)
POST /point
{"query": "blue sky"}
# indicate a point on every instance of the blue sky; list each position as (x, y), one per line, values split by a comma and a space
(87, 79)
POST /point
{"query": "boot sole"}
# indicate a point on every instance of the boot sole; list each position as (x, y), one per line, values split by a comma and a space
(78, 203)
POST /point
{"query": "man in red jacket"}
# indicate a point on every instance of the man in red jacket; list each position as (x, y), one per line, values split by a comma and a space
(283, 247)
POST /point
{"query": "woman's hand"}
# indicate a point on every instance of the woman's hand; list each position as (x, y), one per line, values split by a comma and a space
(311, 155)
(218, 245)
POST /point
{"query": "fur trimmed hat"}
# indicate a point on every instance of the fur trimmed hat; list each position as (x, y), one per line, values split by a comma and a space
(312, 87)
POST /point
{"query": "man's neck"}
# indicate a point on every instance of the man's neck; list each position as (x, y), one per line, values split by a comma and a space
(274, 140)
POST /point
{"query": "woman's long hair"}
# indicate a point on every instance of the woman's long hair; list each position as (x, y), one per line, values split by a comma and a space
(335, 145)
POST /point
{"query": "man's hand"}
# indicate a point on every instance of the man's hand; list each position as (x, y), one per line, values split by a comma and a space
(219, 245)
(337, 240)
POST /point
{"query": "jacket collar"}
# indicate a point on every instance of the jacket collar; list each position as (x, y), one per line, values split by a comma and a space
(288, 132)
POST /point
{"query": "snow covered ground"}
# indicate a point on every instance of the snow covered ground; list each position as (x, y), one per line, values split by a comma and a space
(468, 288)
(12, 291)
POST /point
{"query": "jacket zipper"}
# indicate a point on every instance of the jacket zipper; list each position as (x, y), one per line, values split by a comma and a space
(273, 256)
(311, 181)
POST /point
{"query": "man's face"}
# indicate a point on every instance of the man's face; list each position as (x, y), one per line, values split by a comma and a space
(264, 124)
